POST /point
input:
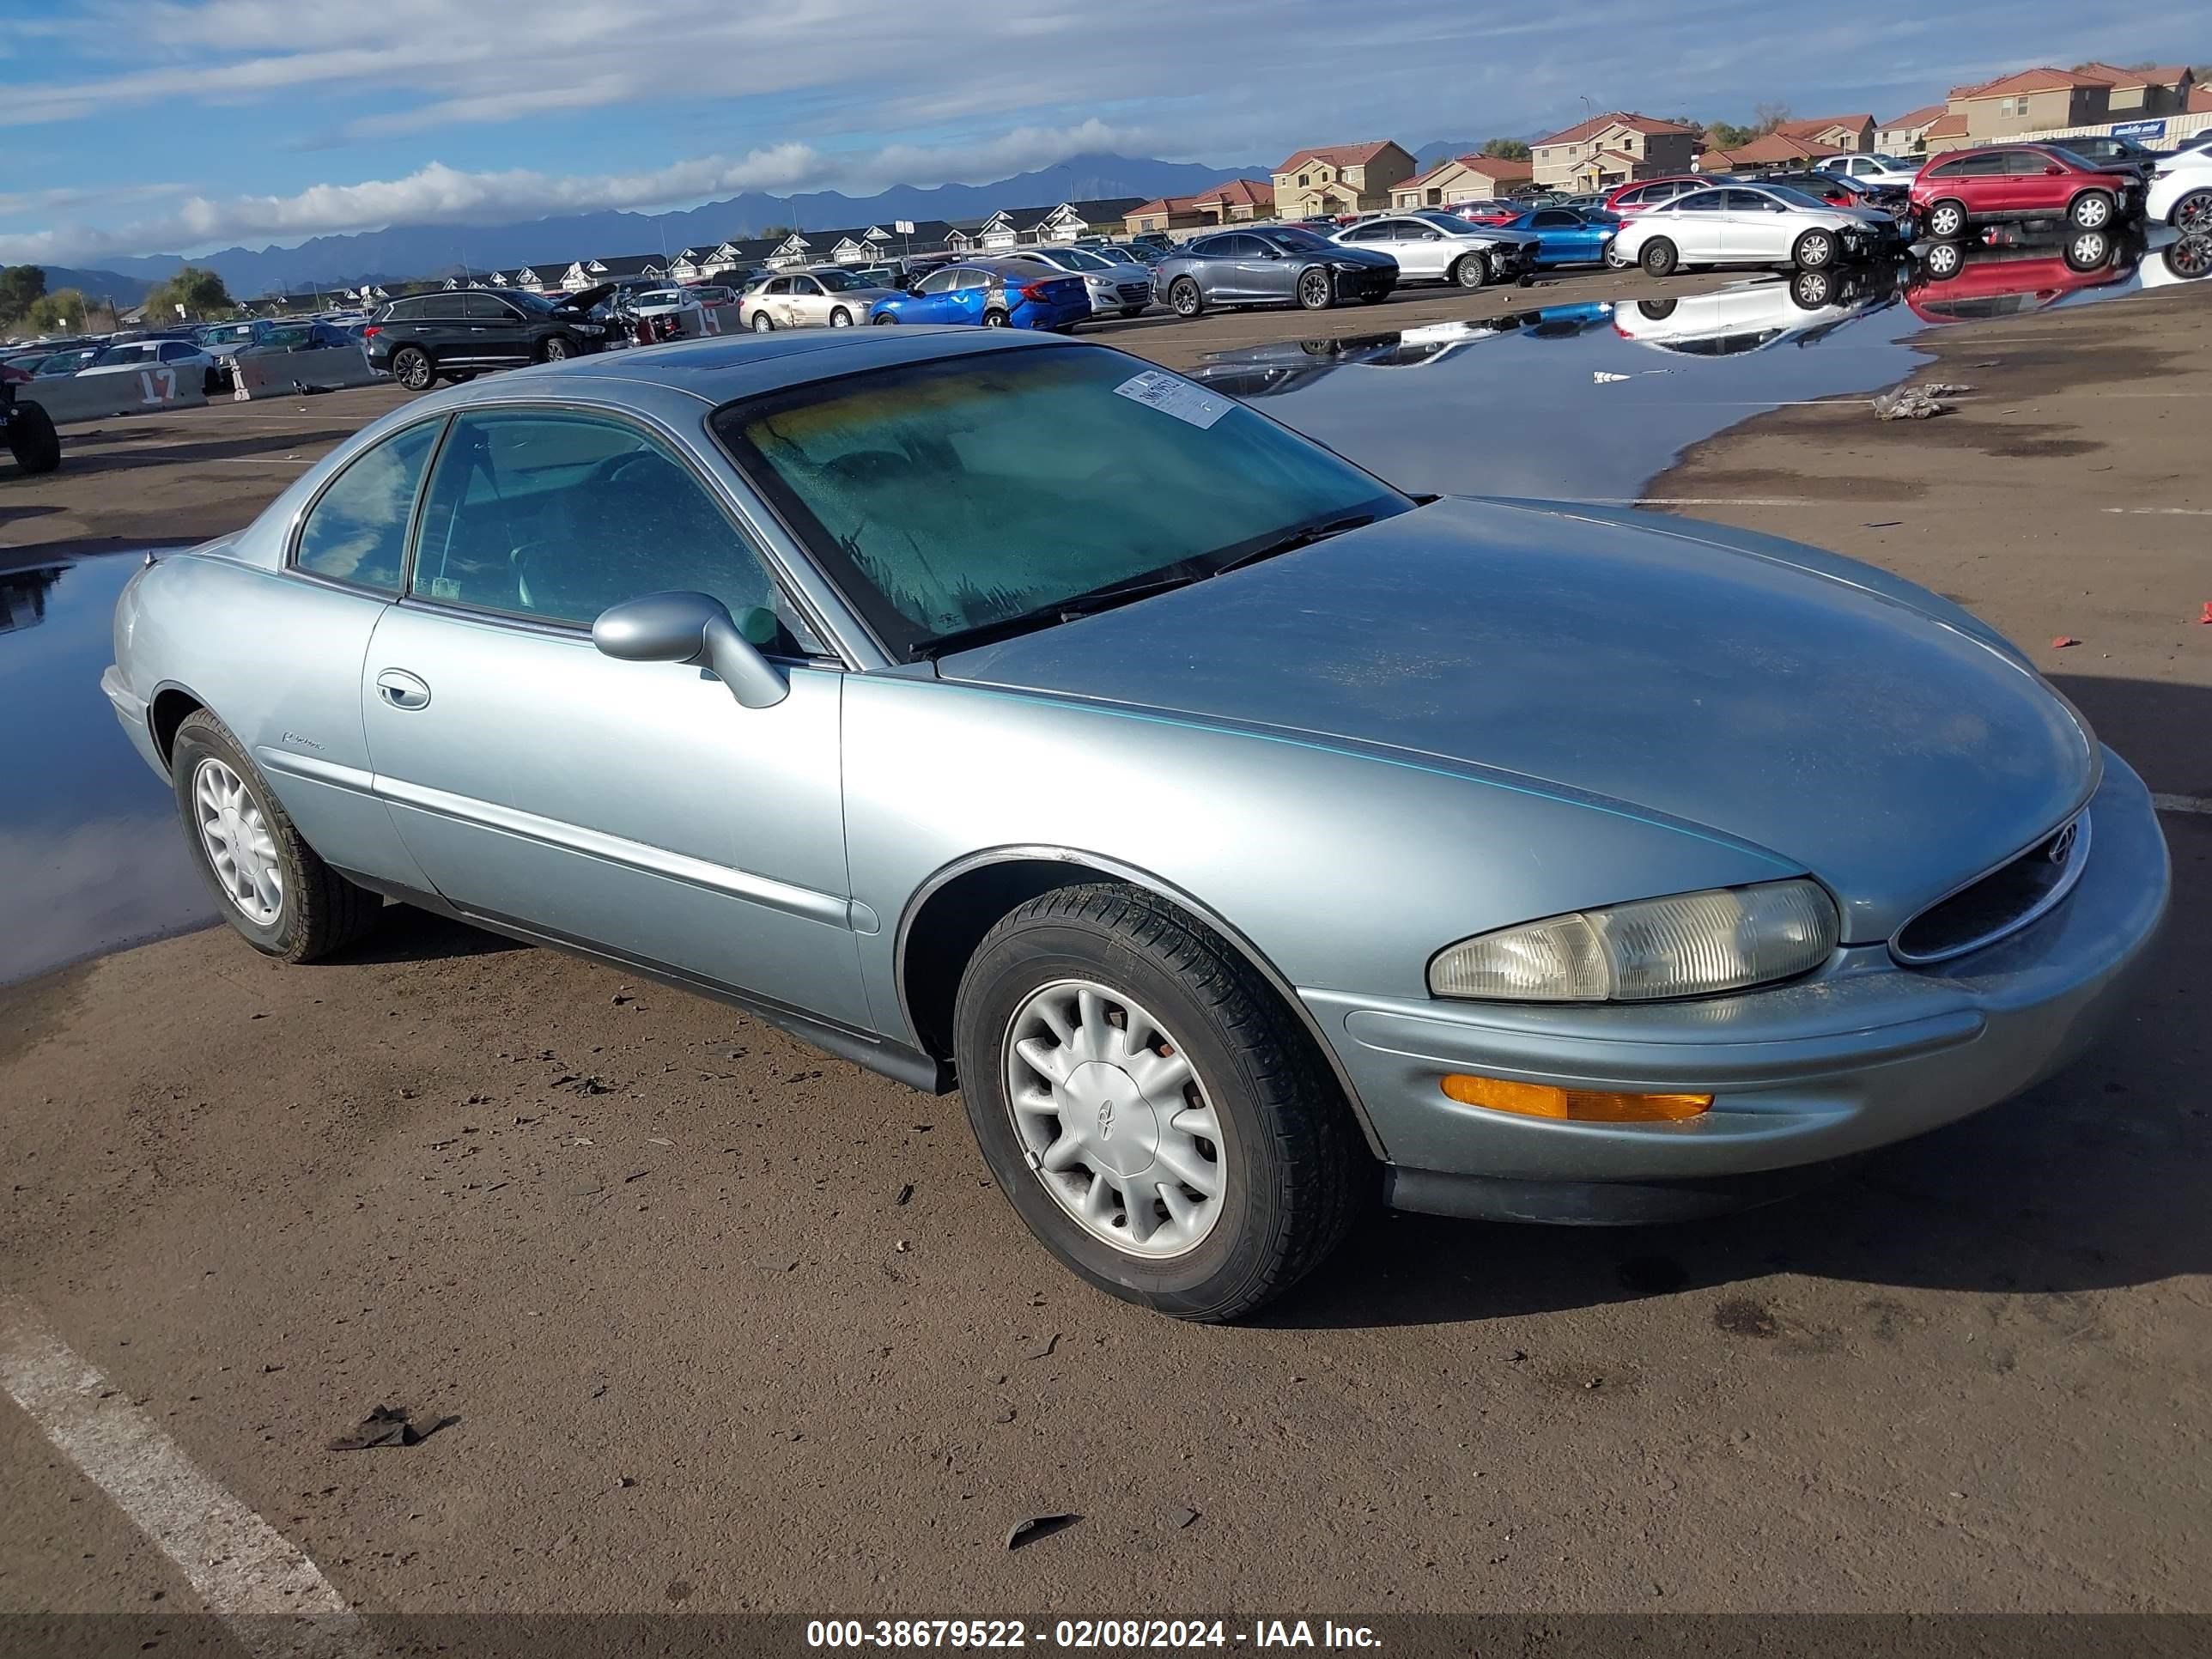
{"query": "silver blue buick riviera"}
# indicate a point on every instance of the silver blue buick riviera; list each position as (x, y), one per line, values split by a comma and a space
(1246, 839)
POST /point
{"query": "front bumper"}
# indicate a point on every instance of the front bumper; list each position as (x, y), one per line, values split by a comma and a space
(1864, 1055)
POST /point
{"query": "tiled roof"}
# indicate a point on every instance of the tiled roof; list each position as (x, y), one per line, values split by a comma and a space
(1236, 192)
(1620, 156)
(1946, 125)
(2200, 100)
(1779, 147)
(1167, 204)
(1812, 128)
(1496, 167)
(2042, 78)
(1597, 123)
(1919, 117)
(2158, 74)
(1337, 156)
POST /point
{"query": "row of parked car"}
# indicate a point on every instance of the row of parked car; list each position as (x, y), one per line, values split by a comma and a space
(209, 351)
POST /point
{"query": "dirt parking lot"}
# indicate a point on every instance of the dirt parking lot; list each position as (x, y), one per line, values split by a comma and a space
(715, 1322)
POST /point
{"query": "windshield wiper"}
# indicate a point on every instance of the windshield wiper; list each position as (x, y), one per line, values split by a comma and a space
(1059, 611)
(1291, 540)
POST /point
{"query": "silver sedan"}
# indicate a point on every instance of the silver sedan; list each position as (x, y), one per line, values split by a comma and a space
(831, 297)
(1246, 839)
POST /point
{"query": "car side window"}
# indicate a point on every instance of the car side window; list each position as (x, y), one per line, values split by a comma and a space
(1554, 219)
(1704, 201)
(356, 531)
(937, 282)
(555, 517)
(1749, 201)
(972, 278)
(778, 285)
(805, 285)
(2025, 161)
(175, 352)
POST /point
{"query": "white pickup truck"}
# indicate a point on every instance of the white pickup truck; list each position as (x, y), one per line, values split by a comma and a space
(1872, 169)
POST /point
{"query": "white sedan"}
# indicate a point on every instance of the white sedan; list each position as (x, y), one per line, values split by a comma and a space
(1871, 169)
(1443, 248)
(2181, 190)
(1749, 225)
(190, 364)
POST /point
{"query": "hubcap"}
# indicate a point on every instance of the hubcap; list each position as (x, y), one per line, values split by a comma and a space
(1946, 222)
(1316, 289)
(2194, 213)
(2089, 248)
(761, 324)
(839, 320)
(1113, 1119)
(238, 843)
(2092, 210)
(1943, 260)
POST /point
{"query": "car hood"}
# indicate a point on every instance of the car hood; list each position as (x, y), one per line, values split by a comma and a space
(1802, 706)
(583, 301)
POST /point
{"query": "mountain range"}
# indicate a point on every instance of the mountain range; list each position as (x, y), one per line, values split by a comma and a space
(413, 251)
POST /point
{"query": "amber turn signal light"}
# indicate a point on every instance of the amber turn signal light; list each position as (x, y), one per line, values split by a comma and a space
(1576, 1105)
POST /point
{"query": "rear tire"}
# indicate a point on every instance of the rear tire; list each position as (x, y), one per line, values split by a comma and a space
(997, 319)
(317, 910)
(1281, 1151)
(2193, 212)
(32, 440)
(1947, 220)
(1658, 257)
(412, 368)
(763, 323)
(1184, 297)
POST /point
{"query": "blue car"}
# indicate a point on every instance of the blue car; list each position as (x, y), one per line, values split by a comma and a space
(991, 293)
(1568, 236)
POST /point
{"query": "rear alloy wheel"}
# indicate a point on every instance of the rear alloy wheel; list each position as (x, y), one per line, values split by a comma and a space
(1815, 251)
(2091, 211)
(1149, 1107)
(2088, 250)
(763, 323)
(1184, 298)
(556, 349)
(997, 319)
(841, 318)
(1658, 257)
(1947, 220)
(1470, 270)
(31, 439)
(1945, 260)
(2193, 212)
(275, 889)
(1317, 292)
(411, 368)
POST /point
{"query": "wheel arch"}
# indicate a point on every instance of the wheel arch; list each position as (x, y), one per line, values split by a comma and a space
(170, 707)
(949, 914)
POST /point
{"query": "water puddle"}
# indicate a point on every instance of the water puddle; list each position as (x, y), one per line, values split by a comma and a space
(1591, 400)
(88, 836)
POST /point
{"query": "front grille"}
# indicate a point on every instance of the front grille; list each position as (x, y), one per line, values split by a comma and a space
(1136, 291)
(2003, 902)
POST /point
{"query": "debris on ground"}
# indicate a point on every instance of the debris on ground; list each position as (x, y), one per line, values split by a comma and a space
(2060, 642)
(387, 1426)
(1916, 403)
(1036, 1526)
(2207, 616)
(906, 1191)
(1183, 1518)
(1043, 1350)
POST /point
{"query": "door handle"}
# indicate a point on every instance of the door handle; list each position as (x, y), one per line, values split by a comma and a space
(402, 689)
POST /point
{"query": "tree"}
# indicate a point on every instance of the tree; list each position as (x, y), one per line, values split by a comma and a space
(199, 291)
(1726, 135)
(1764, 118)
(20, 285)
(1506, 150)
(62, 311)
(777, 231)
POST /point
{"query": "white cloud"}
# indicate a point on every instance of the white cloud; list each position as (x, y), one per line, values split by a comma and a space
(438, 194)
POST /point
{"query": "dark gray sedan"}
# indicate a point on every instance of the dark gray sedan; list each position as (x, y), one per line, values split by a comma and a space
(1271, 265)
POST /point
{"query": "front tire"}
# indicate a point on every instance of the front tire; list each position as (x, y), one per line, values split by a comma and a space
(1947, 220)
(1658, 257)
(1097, 1011)
(1944, 261)
(556, 349)
(412, 369)
(1470, 270)
(2091, 211)
(1184, 297)
(841, 318)
(1316, 291)
(1815, 251)
(888, 317)
(32, 440)
(272, 887)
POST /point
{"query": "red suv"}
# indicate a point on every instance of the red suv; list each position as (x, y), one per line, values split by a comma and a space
(1650, 192)
(2023, 181)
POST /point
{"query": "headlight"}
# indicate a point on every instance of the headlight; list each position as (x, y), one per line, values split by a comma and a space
(1685, 946)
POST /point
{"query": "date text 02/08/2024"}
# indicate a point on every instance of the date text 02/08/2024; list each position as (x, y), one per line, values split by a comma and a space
(1086, 1634)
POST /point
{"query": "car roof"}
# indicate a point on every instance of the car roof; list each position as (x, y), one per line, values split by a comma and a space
(721, 368)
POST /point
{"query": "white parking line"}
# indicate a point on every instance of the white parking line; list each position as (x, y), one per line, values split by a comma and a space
(2165, 512)
(2182, 804)
(275, 1600)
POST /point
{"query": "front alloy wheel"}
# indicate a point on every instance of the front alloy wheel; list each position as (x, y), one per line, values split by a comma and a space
(558, 350)
(841, 318)
(1946, 220)
(1317, 292)
(239, 847)
(2091, 211)
(2193, 212)
(1470, 270)
(1816, 251)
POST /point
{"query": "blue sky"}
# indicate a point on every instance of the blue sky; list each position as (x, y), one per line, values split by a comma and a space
(140, 126)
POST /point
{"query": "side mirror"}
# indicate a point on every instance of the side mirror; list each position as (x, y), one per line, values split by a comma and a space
(694, 628)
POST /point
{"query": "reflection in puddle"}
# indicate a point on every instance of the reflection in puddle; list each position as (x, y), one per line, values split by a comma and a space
(1595, 399)
(89, 837)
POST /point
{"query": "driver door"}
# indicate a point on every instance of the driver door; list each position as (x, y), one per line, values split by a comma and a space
(633, 808)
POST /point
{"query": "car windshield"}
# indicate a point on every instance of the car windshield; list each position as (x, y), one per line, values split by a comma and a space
(1291, 240)
(659, 296)
(227, 334)
(951, 495)
(839, 281)
(284, 339)
(138, 351)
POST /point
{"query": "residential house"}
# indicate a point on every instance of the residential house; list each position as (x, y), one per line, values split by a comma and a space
(1614, 148)
(1908, 134)
(1239, 201)
(963, 236)
(2200, 102)
(2137, 95)
(631, 267)
(1012, 227)
(1102, 217)
(1842, 132)
(1156, 218)
(925, 236)
(1463, 179)
(2039, 100)
(1773, 150)
(1340, 178)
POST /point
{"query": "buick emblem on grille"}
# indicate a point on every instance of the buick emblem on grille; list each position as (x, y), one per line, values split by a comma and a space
(2061, 847)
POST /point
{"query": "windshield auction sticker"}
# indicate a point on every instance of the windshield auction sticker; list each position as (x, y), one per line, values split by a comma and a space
(1173, 395)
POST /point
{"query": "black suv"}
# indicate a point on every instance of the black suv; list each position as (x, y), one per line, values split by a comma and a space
(455, 334)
